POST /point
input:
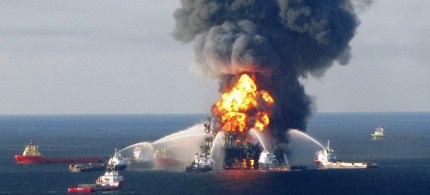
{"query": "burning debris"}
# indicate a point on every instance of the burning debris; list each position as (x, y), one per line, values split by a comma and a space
(259, 49)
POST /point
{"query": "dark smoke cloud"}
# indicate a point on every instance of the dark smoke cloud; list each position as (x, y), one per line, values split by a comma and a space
(278, 40)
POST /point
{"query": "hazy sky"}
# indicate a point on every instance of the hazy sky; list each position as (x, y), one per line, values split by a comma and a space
(90, 57)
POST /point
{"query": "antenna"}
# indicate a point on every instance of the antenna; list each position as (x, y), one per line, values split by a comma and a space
(328, 145)
(207, 125)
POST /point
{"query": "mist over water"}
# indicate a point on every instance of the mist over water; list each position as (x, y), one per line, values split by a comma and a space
(181, 145)
(217, 151)
(184, 144)
(146, 151)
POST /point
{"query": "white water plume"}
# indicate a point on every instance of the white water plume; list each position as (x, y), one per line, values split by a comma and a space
(194, 131)
(181, 145)
(297, 133)
(140, 145)
(217, 151)
(256, 134)
(302, 148)
(145, 151)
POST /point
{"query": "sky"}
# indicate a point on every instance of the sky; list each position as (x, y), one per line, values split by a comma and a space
(119, 57)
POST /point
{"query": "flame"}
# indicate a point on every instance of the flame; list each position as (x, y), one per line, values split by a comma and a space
(243, 106)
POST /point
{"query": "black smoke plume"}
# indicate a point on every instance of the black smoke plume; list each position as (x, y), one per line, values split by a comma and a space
(279, 41)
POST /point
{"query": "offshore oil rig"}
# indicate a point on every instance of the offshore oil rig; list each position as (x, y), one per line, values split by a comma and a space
(239, 152)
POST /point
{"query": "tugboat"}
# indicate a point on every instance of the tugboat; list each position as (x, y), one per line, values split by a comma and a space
(201, 163)
(32, 155)
(326, 159)
(111, 180)
(116, 162)
(268, 161)
(379, 132)
(85, 167)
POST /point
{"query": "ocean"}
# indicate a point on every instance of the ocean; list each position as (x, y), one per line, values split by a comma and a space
(403, 156)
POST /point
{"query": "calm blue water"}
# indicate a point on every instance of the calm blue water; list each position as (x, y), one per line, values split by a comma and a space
(404, 156)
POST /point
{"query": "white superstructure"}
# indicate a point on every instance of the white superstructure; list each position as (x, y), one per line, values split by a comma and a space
(116, 161)
(327, 159)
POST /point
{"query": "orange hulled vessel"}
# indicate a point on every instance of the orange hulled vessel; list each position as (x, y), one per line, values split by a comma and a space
(32, 155)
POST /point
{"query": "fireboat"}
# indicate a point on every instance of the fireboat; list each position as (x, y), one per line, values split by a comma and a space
(326, 159)
(201, 163)
(116, 162)
(32, 155)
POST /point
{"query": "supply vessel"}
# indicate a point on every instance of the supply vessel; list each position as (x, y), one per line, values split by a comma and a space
(379, 132)
(32, 155)
(201, 163)
(111, 180)
(326, 159)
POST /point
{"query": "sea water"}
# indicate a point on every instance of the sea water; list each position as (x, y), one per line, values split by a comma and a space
(403, 156)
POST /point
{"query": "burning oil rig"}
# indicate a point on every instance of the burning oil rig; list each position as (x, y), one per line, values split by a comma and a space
(239, 110)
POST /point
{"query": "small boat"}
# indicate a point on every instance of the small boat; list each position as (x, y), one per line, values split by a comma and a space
(379, 132)
(116, 162)
(32, 155)
(268, 161)
(201, 163)
(326, 159)
(85, 167)
(111, 180)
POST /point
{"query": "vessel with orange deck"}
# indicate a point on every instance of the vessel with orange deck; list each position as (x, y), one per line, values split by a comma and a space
(32, 155)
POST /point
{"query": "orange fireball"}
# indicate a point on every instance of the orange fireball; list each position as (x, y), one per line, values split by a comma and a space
(243, 106)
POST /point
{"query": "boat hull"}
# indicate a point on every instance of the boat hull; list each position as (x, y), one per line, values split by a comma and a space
(20, 159)
(348, 165)
(194, 167)
(166, 162)
(121, 167)
(79, 190)
(85, 167)
(274, 167)
(88, 188)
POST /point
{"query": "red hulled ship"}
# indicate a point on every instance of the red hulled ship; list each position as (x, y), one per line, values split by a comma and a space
(163, 159)
(32, 155)
(111, 180)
